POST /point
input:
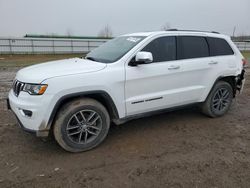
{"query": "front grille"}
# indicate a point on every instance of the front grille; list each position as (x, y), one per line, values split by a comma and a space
(17, 87)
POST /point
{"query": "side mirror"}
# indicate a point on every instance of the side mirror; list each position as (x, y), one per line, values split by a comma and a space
(142, 58)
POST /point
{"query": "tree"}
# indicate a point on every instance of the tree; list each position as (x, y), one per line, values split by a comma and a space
(106, 32)
(69, 32)
(166, 26)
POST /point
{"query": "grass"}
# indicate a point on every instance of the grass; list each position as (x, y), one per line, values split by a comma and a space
(25, 60)
(246, 54)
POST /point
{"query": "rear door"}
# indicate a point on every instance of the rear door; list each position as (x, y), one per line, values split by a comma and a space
(196, 67)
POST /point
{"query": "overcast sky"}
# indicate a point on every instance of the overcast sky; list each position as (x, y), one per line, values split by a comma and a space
(82, 17)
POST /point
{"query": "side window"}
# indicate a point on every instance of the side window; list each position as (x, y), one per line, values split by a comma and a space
(162, 49)
(192, 47)
(219, 46)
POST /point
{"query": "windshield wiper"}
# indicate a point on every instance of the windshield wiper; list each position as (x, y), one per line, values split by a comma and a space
(91, 58)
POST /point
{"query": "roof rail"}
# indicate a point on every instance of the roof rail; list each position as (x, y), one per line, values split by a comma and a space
(215, 32)
(193, 31)
(172, 30)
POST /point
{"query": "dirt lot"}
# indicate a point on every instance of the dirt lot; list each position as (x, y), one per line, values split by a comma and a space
(175, 149)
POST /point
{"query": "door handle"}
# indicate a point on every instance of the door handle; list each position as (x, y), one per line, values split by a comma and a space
(213, 63)
(173, 67)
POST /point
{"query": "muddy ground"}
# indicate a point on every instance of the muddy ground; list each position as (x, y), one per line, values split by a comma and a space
(174, 149)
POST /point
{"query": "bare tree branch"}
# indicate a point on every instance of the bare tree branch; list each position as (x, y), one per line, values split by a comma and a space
(106, 32)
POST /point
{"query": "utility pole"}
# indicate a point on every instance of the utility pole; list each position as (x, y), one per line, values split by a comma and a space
(234, 31)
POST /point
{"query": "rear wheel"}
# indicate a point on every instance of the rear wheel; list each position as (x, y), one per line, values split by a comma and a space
(219, 100)
(81, 125)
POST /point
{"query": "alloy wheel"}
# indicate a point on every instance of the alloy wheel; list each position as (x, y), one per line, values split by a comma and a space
(84, 126)
(221, 100)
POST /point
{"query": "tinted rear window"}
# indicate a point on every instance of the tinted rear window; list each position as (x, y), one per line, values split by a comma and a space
(219, 46)
(192, 47)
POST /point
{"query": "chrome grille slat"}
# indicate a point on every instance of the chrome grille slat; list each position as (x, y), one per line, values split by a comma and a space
(17, 87)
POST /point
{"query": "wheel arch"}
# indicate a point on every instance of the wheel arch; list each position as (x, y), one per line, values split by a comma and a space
(101, 96)
(229, 79)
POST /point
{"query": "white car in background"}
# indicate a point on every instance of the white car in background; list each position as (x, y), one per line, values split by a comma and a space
(128, 77)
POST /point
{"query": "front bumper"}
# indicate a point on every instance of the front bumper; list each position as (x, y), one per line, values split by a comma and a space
(36, 123)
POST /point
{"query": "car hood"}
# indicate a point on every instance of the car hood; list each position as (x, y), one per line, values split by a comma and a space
(40, 72)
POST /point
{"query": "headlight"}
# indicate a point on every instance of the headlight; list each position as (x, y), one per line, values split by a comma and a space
(35, 89)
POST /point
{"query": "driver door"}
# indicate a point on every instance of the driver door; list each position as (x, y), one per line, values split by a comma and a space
(148, 86)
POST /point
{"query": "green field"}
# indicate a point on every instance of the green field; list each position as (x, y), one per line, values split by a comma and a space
(246, 54)
(25, 60)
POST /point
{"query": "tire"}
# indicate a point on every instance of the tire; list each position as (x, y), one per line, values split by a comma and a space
(219, 100)
(81, 125)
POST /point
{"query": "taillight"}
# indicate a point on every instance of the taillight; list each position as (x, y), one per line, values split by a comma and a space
(244, 62)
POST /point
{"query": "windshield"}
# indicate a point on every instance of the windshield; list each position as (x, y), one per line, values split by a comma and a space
(114, 49)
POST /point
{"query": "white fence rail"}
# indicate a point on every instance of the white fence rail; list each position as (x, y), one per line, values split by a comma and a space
(47, 46)
(60, 46)
(243, 46)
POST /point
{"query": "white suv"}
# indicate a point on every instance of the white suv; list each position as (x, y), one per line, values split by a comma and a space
(128, 77)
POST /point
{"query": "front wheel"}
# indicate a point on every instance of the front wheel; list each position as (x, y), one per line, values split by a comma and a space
(81, 125)
(219, 100)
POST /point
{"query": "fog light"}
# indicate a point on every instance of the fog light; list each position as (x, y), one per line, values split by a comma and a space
(26, 113)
